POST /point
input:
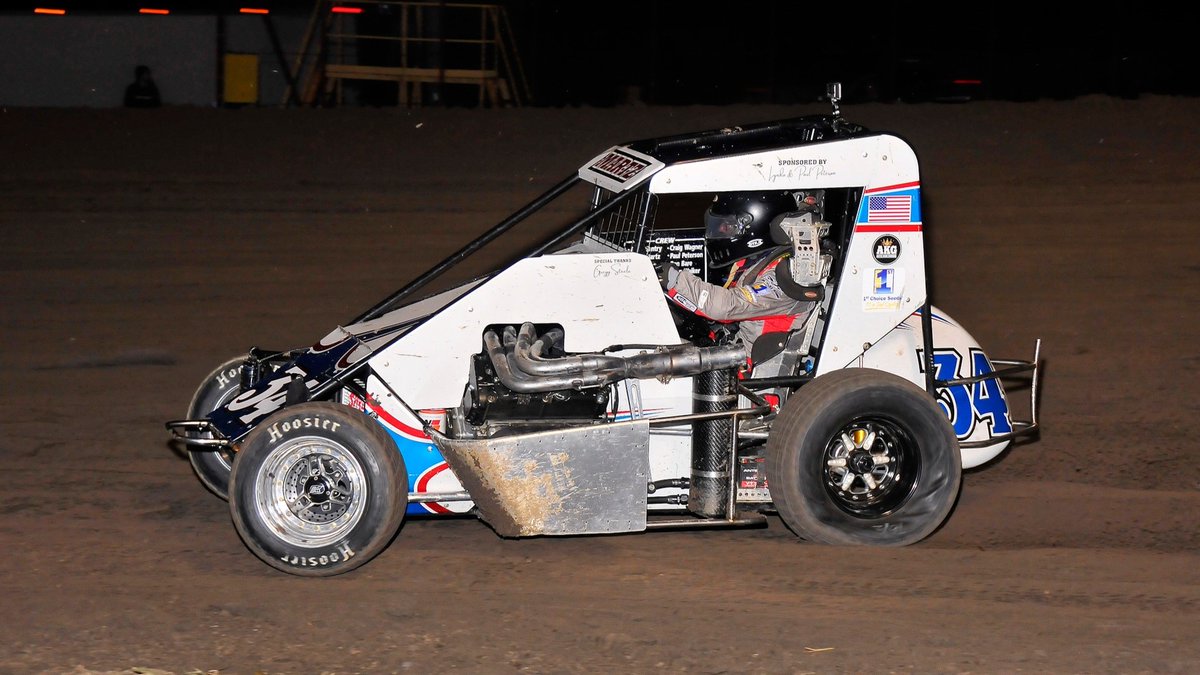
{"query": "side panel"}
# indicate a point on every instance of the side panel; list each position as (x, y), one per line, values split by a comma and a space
(976, 411)
(883, 274)
(600, 300)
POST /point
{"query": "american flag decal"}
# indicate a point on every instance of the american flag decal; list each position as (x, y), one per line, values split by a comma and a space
(896, 209)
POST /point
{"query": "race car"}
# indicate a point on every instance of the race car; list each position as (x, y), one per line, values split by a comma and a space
(558, 390)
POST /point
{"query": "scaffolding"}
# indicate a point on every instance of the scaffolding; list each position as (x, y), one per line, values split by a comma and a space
(422, 47)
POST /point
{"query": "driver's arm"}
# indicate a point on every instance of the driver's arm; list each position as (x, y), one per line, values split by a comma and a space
(759, 299)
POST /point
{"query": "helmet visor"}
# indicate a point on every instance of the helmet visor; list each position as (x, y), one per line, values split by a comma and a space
(725, 225)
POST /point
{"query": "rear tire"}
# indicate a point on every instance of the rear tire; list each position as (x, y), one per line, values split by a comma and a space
(862, 456)
(318, 489)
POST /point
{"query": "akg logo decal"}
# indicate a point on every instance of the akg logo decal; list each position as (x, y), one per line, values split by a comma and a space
(886, 250)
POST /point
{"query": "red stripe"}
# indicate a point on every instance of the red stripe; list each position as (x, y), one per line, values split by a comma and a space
(915, 183)
(423, 486)
(387, 417)
(913, 227)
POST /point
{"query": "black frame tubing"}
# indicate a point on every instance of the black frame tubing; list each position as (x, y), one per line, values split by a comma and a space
(927, 336)
(994, 375)
(458, 256)
(789, 381)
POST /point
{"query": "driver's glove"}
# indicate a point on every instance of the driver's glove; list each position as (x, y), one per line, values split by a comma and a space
(668, 275)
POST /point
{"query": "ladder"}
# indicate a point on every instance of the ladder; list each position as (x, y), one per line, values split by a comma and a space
(423, 47)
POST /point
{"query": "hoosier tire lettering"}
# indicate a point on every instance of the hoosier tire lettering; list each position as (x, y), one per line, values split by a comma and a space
(278, 429)
(344, 553)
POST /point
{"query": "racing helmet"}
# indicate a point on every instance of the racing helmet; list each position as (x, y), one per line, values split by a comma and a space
(738, 224)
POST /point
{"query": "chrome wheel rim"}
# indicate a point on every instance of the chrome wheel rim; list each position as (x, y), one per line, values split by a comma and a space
(310, 491)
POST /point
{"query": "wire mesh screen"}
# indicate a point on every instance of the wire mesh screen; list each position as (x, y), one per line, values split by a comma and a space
(625, 227)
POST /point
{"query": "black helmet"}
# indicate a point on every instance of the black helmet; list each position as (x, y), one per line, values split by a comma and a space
(739, 224)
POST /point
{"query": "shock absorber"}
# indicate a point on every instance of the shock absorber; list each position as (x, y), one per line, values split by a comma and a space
(708, 495)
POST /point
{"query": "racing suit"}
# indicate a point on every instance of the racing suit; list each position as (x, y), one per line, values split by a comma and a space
(750, 297)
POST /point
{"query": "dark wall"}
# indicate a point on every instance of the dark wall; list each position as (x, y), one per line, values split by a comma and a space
(772, 50)
(653, 51)
(88, 59)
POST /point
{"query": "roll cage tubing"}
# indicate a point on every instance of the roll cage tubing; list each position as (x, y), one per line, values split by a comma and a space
(390, 303)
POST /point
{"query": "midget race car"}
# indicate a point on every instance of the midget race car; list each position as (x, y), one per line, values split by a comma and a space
(549, 386)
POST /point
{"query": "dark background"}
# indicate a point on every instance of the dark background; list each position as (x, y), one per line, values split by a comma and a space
(784, 52)
(773, 51)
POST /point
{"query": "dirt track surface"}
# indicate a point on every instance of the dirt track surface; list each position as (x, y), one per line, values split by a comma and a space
(140, 250)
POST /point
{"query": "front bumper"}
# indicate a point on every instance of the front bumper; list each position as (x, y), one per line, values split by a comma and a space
(188, 432)
(1008, 370)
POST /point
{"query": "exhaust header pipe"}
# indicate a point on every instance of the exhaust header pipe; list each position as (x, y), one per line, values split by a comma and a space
(522, 365)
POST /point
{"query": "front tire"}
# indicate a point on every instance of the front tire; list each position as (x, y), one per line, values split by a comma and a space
(318, 489)
(862, 456)
(212, 466)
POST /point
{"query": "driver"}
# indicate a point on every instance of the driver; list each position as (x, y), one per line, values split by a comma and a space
(742, 232)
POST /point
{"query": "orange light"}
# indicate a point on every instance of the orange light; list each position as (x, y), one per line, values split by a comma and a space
(44, 10)
(346, 10)
(147, 10)
(254, 10)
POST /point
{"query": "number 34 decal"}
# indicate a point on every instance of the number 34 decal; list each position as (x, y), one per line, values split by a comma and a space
(969, 404)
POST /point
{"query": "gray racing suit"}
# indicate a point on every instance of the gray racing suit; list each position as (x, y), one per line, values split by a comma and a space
(750, 297)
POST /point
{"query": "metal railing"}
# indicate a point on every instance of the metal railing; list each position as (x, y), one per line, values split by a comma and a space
(434, 45)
